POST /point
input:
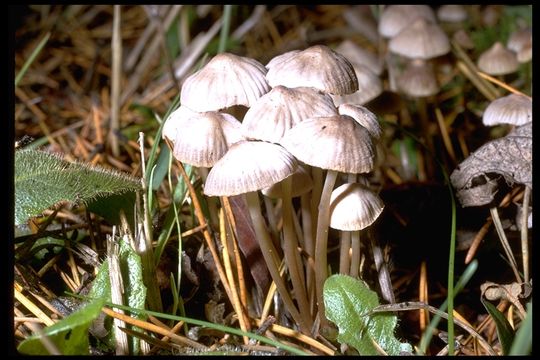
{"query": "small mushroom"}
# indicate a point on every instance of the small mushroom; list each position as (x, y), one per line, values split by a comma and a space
(519, 39)
(418, 79)
(512, 109)
(395, 18)
(317, 66)
(498, 60)
(226, 80)
(282, 108)
(452, 13)
(420, 40)
(358, 55)
(369, 87)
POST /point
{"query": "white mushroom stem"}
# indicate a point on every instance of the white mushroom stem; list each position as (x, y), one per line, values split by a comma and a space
(290, 249)
(268, 250)
(321, 242)
(355, 254)
(344, 247)
(309, 243)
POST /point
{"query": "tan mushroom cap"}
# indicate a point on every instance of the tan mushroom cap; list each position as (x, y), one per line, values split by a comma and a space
(338, 143)
(364, 117)
(498, 60)
(200, 139)
(420, 40)
(249, 166)
(525, 54)
(395, 18)
(358, 55)
(418, 79)
(301, 184)
(225, 81)
(354, 207)
(282, 108)
(369, 87)
(452, 13)
(317, 66)
(512, 109)
(519, 39)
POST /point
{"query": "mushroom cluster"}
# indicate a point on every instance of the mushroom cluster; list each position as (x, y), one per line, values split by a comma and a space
(290, 136)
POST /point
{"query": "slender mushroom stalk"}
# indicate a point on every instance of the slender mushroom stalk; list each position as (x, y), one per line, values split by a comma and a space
(344, 251)
(267, 249)
(292, 257)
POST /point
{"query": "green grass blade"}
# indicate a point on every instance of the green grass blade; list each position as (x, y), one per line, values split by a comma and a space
(31, 59)
(224, 35)
(505, 333)
(522, 344)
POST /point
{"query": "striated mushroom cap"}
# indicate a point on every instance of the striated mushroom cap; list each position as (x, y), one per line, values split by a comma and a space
(395, 18)
(354, 207)
(420, 40)
(249, 166)
(338, 143)
(512, 109)
(369, 87)
(282, 108)
(364, 117)
(227, 80)
(317, 66)
(418, 79)
(498, 60)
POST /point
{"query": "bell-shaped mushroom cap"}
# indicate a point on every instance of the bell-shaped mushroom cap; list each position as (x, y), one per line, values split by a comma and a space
(498, 60)
(172, 124)
(277, 60)
(369, 87)
(519, 39)
(317, 66)
(200, 139)
(357, 55)
(525, 54)
(512, 109)
(354, 207)
(249, 166)
(418, 79)
(282, 108)
(225, 81)
(364, 117)
(301, 184)
(338, 143)
(452, 13)
(420, 40)
(395, 18)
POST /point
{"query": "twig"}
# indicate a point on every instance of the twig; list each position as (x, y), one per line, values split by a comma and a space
(115, 81)
(502, 84)
(524, 233)
(504, 242)
(416, 305)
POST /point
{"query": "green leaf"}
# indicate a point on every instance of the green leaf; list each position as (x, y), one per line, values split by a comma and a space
(43, 180)
(110, 207)
(69, 335)
(504, 329)
(134, 289)
(522, 344)
(348, 302)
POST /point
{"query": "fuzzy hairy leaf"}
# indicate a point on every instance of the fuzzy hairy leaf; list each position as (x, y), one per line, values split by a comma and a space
(43, 180)
(348, 302)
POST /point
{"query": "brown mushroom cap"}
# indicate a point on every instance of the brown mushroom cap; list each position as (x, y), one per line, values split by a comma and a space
(512, 109)
(249, 166)
(498, 60)
(354, 207)
(452, 13)
(364, 117)
(200, 138)
(338, 143)
(225, 81)
(395, 18)
(369, 87)
(317, 66)
(418, 79)
(357, 55)
(282, 108)
(420, 40)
